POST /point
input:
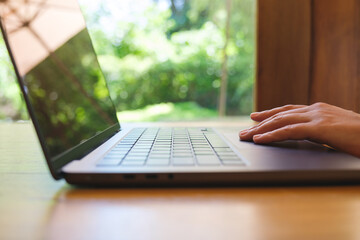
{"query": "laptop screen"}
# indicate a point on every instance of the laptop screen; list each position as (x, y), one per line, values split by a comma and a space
(64, 86)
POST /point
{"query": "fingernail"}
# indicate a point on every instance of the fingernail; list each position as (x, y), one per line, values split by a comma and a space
(244, 132)
(254, 114)
(256, 136)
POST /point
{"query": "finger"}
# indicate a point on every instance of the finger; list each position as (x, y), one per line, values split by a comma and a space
(277, 115)
(260, 116)
(275, 123)
(290, 132)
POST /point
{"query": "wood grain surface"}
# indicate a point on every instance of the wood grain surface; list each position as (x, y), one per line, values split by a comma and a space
(283, 53)
(34, 206)
(336, 53)
(308, 51)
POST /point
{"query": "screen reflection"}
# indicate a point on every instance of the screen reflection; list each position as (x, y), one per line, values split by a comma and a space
(55, 58)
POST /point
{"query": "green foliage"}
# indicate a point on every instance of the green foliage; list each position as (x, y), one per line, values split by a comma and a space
(167, 112)
(11, 102)
(175, 54)
(155, 51)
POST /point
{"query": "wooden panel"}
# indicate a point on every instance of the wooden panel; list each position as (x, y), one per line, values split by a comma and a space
(335, 53)
(283, 52)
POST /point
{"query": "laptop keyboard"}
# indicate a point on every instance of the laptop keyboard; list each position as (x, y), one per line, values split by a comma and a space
(171, 146)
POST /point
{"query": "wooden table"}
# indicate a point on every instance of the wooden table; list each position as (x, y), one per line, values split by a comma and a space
(34, 206)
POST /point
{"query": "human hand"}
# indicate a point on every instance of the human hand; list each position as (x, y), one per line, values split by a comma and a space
(320, 122)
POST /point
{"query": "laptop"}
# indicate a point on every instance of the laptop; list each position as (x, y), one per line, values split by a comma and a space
(75, 120)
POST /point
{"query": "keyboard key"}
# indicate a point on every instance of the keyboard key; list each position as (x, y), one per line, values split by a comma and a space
(140, 150)
(208, 160)
(146, 146)
(177, 146)
(135, 158)
(182, 155)
(203, 150)
(157, 146)
(162, 144)
(137, 154)
(156, 156)
(215, 141)
(158, 162)
(182, 145)
(183, 161)
(112, 157)
(161, 151)
(133, 163)
(223, 149)
(182, 149)
(182, 152)
(201, 145)
(230, 158)
(226, 153)
(235, 163)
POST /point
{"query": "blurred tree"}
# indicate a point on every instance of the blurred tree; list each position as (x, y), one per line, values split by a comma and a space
(155, 51)
(11, 102)
(224, 67)
(176, 54)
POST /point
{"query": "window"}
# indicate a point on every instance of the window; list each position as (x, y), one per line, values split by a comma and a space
(167, 59)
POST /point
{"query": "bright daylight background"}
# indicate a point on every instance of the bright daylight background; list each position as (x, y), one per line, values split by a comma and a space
(164, 59)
